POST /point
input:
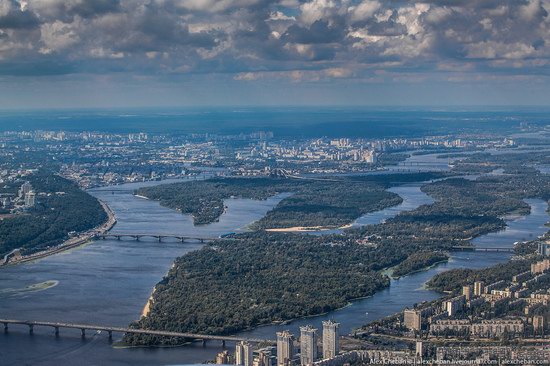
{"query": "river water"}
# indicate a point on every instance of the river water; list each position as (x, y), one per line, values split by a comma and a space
(108, 282)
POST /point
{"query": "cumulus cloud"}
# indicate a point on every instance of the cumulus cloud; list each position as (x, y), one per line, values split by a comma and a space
(305, 40)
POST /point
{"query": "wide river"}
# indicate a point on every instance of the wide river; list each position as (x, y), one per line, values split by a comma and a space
(108, 282)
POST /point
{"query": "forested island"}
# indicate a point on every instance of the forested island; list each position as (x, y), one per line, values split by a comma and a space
(61, 207)
(418, 261)
(258, 278)
(263, 277)
(313, 202)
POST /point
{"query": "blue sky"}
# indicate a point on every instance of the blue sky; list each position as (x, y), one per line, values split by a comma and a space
(109, 53)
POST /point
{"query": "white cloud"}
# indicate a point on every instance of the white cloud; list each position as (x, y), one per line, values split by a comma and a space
(366, 9)
(57, 36)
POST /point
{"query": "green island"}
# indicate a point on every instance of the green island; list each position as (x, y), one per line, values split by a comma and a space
(263, 277)
(418, 261)
(61, 207)
(314, 203)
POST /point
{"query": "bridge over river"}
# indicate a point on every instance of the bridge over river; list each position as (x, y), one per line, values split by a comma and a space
(467, 248)
(158, 237)
(110, 330)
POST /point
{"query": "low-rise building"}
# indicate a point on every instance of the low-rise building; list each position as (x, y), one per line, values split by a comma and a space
(457, 327)
(540, 267)
(497, 328)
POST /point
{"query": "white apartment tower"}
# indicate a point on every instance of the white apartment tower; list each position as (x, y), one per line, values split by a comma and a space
(285, 348)
(331, 341)
(308, 345)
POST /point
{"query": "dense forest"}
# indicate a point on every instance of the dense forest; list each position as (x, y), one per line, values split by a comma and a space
(53, 217)
(329, 203)
(258, 278)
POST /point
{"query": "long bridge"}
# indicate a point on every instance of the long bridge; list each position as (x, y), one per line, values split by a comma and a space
(466, 248)
(110, 330)
(158, 237)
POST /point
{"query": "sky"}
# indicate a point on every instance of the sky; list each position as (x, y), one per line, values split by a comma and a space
(136, 53)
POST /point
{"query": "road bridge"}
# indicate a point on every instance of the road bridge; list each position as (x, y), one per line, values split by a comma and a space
(466, 248)
(158, 237)
(110, 330)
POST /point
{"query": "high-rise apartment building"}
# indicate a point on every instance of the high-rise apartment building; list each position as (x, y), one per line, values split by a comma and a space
(30, 199)
(412, 319)
(285, 348)
(243, 354)
(467, 292)
(479, 288)
(331, 339)
(308, 345)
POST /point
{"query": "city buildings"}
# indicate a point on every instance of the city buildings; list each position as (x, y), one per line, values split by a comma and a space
(244, 354)
(223, 358)
(467, 292)
(544, 249)
(540, 267)
(412, 319)
(478, 288)
(455, 305)
(497, 328)
(285, 348)
(308, 345)
(331, 339)
(30, 199)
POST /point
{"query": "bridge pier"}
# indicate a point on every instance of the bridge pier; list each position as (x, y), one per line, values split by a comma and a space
(223, 344)
(160, 239)
(31, 329)
(204, 342)
(57, 331)
(110, 332)
(5, 327)
(83, 333)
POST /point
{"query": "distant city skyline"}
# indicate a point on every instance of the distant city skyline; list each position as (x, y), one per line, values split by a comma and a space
(119, 53)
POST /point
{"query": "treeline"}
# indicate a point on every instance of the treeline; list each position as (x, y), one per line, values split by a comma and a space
(53, 217)
(258, 278)
(328, 202)
(418, 261)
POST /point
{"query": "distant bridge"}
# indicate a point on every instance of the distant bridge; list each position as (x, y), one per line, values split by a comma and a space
(110, 330)
(466, 248)
(158, 237)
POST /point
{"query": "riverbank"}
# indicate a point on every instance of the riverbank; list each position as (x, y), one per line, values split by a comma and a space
(147, 307)
(71, 243)
(306, 229)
